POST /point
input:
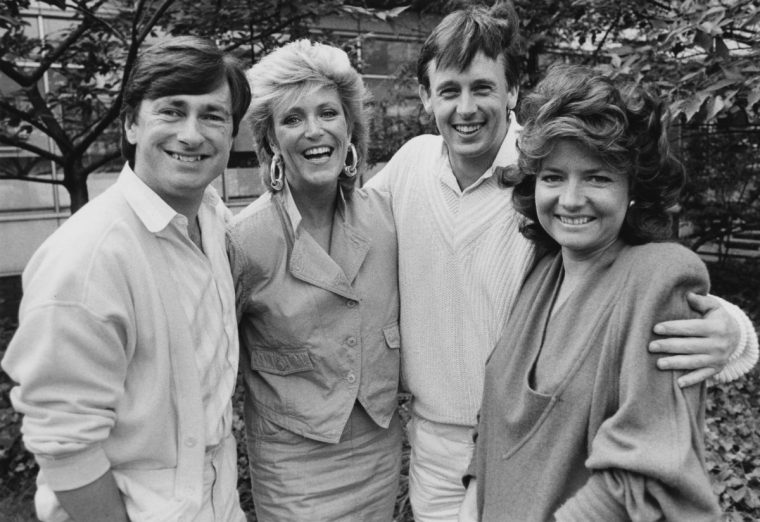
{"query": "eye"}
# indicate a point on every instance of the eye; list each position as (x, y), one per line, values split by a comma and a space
(483, 89)
(291, 119)
(599, 179)
(448, 92)
(329, 113)
(170, 112)
(215, 117)
(549, 178)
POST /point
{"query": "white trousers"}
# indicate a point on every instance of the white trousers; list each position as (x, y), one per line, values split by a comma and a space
(439, 459)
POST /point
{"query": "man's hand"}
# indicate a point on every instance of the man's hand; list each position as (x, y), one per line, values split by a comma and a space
(701, 345)
(98, 501)
(468, 511)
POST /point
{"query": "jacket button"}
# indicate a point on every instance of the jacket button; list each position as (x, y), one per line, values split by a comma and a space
(351, 341)
(351, 378)
(351, 303)
(190, 442)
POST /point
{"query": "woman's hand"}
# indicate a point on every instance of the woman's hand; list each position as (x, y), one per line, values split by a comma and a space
(468, 511)
(702, 345)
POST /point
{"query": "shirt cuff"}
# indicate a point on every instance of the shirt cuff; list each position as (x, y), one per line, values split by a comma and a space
(592, 502)
(746, 352)
(74, 471)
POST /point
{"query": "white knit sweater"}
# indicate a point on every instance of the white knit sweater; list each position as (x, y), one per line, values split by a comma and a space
(461, 263)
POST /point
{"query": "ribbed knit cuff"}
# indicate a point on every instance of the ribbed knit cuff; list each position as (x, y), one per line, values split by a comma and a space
(746, 353)
(74, 471)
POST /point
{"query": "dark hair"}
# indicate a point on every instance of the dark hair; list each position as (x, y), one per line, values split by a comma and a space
(625, 125)
(462, 34)
(182, 65)
(295, 69)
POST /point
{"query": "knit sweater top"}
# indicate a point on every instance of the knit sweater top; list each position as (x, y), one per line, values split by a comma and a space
(461, 263)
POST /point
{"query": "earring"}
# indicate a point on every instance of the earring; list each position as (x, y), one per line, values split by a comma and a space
(631, 203)
(350, 170)
(276, 172)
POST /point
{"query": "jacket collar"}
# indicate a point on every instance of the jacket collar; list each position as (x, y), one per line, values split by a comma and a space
(308, 262)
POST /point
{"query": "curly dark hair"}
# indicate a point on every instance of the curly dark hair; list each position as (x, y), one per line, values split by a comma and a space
(624, 124)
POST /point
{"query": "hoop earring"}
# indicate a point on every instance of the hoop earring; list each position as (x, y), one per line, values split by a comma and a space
(350, 170)
(276, 172)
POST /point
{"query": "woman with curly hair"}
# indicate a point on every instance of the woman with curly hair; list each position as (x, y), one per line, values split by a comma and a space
(577, 423)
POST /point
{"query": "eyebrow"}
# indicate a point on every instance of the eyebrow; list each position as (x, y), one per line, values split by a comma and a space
(209, 107)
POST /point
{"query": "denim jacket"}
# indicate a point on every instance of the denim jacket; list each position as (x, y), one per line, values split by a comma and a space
(317, 332)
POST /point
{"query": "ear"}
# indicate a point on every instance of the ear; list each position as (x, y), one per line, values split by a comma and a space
(425, 97)
(512, 95)
(129, 128)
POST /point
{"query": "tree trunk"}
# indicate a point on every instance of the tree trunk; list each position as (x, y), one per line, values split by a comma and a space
(76, 184)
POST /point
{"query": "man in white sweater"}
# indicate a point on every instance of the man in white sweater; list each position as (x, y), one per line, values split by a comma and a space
(462, 259)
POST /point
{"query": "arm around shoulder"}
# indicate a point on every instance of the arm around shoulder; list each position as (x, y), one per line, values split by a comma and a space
(646, 458)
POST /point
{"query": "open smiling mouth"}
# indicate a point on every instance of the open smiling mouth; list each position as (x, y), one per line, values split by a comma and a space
(575, 220)
(317, 153)
(186, 158)
(468, 129)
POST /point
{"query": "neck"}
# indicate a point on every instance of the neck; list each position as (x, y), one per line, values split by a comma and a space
(316, 208)
(468, 170)
(578, 264)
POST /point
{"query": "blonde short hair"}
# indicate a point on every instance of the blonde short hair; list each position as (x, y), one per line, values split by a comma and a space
(297, 68)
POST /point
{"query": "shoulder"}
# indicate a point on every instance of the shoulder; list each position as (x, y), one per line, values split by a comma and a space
(259, 213)
(657, 276)
(664, 261)
(255, 236)
(420, 148)
(371, 208)
(418, 155)
(103, 242)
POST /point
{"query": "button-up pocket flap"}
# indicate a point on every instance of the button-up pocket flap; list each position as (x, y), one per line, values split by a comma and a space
(392, 336)
(281, 363)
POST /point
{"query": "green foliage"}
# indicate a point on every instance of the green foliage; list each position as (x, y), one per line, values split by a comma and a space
(17, 469)
(732, 440)
(722, 196)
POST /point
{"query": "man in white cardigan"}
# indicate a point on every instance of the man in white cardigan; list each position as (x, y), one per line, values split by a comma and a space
(126, 352)
(462, 259)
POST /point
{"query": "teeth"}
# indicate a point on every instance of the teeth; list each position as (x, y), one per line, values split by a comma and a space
(466, 129)
(574, 221)
(189, 159)
(316, 151)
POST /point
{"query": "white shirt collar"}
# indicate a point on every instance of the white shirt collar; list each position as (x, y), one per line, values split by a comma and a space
(153, 211)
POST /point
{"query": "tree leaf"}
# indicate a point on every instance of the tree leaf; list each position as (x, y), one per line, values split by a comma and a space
(703, 40)
(720, 48)
(753, 97)
(714, 106)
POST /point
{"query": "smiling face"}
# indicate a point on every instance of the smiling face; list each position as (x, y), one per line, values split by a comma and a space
(311, 133)
(182, 143)
(580, 201)
(470, 109)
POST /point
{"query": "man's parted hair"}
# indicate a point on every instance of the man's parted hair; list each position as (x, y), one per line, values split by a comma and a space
(625, 126)
(462, 34)
(182, 65)
(298, 68)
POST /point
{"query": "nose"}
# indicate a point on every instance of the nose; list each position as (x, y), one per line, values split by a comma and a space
(313, 128)
(466, 105)
(572, 195)
(190, 132)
